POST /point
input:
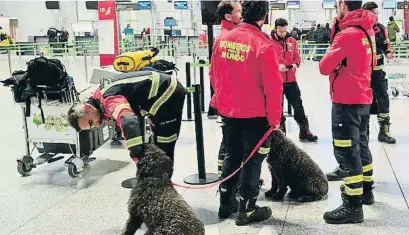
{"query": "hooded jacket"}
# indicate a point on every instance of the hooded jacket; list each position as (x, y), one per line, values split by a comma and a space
(383, 45)
(392, 28)
(245, 76)
(334, 30)
(288, 54)
(226, 27)
(349, 60)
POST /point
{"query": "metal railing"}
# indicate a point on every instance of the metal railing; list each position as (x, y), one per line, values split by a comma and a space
(315, 51)
(169, 48)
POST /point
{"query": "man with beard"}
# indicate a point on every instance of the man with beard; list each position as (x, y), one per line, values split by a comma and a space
(290, 61)
(349, 62)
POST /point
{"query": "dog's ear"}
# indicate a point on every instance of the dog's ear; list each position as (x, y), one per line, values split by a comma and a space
(277, 135)
(166, 166)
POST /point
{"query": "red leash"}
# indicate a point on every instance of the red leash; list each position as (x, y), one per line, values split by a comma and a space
(262, 140)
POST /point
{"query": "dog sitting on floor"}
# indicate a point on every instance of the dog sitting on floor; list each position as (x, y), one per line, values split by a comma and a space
(291, 166)
(155, 202)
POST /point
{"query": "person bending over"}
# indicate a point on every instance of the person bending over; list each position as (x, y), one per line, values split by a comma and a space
(129, 97)
(290, 61)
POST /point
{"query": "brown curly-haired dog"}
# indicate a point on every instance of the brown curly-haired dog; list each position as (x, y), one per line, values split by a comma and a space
(291, 166)
(156, 203)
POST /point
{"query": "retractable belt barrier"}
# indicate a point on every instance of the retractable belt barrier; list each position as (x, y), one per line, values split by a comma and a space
(189, 91)
(202, 177)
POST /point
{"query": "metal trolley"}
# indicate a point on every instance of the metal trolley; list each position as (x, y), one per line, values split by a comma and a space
(397, 75)
(53, 137)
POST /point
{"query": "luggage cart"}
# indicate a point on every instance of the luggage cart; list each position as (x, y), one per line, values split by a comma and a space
(54, 138)
(398, 84)
(398, 80)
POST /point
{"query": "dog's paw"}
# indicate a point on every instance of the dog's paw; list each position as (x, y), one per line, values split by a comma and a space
(278, 197)
(305, 199)
(273, 195)
(310, 198)
(269, 194)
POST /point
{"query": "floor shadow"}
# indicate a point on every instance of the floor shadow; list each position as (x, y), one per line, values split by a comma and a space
(58, 176)
(388, 216)
(208, 217)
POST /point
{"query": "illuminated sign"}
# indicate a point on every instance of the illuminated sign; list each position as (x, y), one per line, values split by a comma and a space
(144, 5)
(328, 4)
(126, 6)
(181, 5)
(170, 22)
(403, 5)
(389, 4)
(277, 6)
(292, 4)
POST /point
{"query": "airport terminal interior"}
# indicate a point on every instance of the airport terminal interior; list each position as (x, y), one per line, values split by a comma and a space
(60, 197)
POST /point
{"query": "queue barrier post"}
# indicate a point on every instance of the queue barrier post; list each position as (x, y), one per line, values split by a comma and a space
(202, 177)
(188, 92)
(201, 78)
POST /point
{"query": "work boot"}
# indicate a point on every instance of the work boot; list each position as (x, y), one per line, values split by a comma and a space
(368, 198)
(228, 202)
(249, 212)
(305, 133)
(384, 134)
(337, 175)
(349, 212)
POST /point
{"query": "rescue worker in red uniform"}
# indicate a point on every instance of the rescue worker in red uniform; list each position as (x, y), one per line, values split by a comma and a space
(349, 62)
(248, 95)
(230, 15)
(379, 84)
(229, 12)
(290, 61)
(129, 97)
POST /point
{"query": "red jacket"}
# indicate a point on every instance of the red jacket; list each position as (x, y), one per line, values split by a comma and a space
(349, 59)
(245, 75)
(334, 29)
(226, 27)
(288, 53)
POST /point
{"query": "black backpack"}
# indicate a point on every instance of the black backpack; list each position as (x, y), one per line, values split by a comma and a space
(164, 66)
(46, 72)
(45, 79)
(294, 34)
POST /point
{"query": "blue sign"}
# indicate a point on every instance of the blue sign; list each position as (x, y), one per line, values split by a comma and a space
(181, 5)
(328, 4)
(128, 31)
(389, 4)
(144, 5)
(170, 22)
(293, 4)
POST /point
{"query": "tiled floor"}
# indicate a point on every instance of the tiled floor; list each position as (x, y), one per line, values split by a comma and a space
(51, 202)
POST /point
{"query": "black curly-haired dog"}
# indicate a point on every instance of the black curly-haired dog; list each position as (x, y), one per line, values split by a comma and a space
(156, 203)
(291, 166)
